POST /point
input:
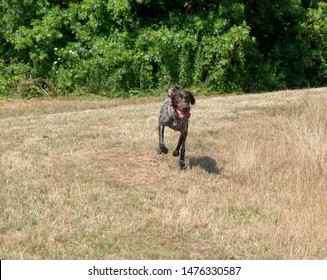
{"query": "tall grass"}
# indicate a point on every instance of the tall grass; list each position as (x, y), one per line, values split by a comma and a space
(82, 180)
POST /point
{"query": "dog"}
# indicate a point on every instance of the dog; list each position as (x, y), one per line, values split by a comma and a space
(175, 113)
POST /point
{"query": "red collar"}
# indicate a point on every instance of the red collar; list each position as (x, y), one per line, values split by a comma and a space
(172, 108)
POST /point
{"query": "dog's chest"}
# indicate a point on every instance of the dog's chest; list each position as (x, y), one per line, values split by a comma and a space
(178, 124)
(167, 118)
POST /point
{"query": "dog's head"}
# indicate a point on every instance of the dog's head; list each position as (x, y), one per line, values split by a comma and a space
(181, 102)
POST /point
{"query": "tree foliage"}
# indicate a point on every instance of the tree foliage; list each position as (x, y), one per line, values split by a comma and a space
(119, 47)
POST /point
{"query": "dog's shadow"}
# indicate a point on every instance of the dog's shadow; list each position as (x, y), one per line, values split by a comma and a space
(206, 163)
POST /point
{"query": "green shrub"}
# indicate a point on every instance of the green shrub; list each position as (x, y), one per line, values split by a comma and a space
(131, 47)
(316, 28)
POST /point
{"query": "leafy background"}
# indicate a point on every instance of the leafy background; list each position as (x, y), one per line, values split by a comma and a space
(140, 47)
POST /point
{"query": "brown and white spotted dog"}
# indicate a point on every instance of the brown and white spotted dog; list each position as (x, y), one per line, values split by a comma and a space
(175, 113)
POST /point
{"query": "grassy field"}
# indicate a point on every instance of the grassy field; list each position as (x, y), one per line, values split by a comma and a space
(82, 179)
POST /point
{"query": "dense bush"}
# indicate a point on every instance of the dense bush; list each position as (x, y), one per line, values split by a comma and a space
(127, 47)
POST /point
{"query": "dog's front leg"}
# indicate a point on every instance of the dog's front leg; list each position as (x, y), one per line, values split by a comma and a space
(181, 146)
(182, 156)
(161, 148)
(181, 140)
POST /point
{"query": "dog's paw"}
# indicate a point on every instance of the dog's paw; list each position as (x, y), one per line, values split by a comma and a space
(182, 164)
(176, 153)
(162, 149)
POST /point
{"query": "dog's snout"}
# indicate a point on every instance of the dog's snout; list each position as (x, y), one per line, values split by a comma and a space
(185, 104)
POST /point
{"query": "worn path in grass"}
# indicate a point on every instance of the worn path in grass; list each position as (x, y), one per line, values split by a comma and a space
(82, 180)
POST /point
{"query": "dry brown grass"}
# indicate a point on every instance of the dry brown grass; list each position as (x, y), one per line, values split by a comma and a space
(82, 180)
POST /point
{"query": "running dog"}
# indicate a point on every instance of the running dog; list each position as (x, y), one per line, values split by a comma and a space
(175, 113)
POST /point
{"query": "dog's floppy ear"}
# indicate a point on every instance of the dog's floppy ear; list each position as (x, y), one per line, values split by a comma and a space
(171, 91)
(192, 99)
